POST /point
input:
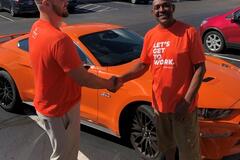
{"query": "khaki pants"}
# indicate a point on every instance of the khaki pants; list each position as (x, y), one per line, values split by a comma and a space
(182, 134)
(64, 133)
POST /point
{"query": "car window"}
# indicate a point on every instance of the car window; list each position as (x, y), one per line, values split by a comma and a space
(113, 47)
(237, 13)
(83, 56)
(23, 44)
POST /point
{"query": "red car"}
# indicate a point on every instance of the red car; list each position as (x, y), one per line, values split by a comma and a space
(222, 31)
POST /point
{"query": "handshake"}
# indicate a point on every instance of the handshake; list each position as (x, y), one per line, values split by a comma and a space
(114, 84)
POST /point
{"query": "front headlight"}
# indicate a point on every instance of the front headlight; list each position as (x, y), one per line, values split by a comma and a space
(204, 22)
(213, 114)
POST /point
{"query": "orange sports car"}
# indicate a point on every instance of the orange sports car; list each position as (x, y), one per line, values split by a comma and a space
(108, 50)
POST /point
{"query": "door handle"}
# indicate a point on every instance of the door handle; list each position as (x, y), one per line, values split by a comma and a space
(105, 94)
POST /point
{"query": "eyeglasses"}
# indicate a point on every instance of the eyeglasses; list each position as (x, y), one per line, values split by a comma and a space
(164, 6)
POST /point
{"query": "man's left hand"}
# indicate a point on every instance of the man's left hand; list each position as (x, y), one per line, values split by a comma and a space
(182, 109)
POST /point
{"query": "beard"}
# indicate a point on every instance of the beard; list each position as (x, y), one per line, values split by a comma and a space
(59, 12)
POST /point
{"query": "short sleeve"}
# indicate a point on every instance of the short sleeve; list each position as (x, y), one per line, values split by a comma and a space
(196, 49)
(65, 53)
(145, 51)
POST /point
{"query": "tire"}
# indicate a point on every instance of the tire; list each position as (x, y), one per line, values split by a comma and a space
(71, 9)
(145, 1)
(142, 133)
(12, 11)
(9, 96)
(214, 42)
(1, 6)
(134, 1)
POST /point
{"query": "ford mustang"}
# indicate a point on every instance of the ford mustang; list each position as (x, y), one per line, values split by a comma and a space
(107, 50)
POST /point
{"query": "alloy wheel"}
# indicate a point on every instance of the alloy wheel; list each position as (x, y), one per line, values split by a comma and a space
(6, 92)
(214, 42)
(143, 135)
(134, 1)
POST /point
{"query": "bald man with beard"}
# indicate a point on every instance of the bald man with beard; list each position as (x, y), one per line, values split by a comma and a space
(58, 76)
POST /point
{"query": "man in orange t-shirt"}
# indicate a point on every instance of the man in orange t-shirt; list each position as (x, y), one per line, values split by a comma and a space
(175, 53)
(58, 74)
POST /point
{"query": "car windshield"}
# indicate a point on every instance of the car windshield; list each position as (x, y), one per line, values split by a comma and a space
(114, 47)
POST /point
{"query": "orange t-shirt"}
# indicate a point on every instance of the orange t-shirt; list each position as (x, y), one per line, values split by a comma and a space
(172, 53)
(52, 55)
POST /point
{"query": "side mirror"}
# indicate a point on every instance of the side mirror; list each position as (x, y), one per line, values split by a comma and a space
(235, 18)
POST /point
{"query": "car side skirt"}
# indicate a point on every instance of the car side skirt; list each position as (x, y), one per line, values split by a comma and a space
(91, 124)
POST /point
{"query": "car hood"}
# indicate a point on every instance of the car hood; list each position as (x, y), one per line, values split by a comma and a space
(219, 90)
(220, 87)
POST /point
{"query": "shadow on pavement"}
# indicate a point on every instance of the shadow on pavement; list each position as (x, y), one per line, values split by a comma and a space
(29, 110)
(232, 51)
(105, 136)
(25, 109)
(19, 126)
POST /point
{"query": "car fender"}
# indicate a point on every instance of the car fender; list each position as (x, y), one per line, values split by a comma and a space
(14, 65)
(212, 29)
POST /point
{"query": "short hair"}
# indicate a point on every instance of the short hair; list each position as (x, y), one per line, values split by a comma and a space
(171, 1)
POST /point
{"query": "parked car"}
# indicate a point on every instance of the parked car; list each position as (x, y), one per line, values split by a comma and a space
(108, 50)
(72, 5)
(137, 1)
(221, 31)
(16, 7)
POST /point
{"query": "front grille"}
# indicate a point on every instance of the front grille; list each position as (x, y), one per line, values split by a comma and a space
(25, 8)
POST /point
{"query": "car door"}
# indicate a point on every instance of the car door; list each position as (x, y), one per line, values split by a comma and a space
(88, 106)
(113, 50)
(232, 30)
(25, 70)
(89, 99)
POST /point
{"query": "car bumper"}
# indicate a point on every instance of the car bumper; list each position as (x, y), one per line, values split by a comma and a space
(72, 3)
(25, 7)
(219, 139)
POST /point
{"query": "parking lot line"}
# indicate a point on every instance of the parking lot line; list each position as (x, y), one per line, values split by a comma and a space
(94, 7)
(6, 18)
(85, 6)
(107, 8)
(223, 57)
(124, 3)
